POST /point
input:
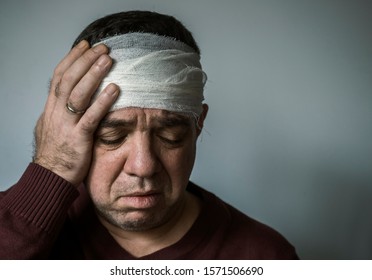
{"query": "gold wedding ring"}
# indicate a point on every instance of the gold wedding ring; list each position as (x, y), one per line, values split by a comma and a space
(72, 110)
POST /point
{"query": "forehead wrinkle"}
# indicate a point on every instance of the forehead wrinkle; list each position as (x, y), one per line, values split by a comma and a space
(172, 120)
(114, 123)
(145, 119)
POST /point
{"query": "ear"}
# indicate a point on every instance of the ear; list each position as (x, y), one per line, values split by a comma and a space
(201, 119)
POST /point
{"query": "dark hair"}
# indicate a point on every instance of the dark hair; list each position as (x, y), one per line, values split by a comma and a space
(136, 21)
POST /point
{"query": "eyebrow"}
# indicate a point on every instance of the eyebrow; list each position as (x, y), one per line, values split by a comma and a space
(165, 122)
(161, 122)
(113, 123)
(172, 121)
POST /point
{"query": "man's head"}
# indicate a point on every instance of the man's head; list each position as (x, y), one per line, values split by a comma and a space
(144, 155)
(156, 61)
(136, 21)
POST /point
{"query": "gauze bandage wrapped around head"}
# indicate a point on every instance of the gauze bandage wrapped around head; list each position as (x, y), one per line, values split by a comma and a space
(155, 72)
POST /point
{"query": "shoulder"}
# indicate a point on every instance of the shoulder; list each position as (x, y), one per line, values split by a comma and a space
(259, 240)
(243, 237)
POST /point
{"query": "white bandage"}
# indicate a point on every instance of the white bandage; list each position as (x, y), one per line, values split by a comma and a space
(155, 72)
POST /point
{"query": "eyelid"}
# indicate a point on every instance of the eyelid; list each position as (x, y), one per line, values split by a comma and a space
(173, 141)
(111, 137)
(111, 142)
(171, 144)
(173, 137)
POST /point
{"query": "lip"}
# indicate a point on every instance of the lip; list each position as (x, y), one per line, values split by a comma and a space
(141, 193)
(140, 200)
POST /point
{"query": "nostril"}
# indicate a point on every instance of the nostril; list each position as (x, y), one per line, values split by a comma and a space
(142, 162)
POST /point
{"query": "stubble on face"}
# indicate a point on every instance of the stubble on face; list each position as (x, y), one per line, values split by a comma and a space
(135, 220)
(130, 202)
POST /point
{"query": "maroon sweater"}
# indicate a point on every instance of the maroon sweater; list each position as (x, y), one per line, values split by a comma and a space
(45, 217)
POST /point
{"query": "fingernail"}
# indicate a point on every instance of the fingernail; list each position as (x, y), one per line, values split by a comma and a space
(82, 44)
(112, 89)
(99, 48)
(103, 61)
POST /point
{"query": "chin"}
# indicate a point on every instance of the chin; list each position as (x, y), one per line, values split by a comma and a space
(135, 220)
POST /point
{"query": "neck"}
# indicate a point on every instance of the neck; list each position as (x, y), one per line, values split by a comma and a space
(142, 243)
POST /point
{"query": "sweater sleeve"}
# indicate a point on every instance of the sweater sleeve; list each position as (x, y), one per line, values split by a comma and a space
(32, 213)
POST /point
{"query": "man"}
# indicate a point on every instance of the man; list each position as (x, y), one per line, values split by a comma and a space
(114, 150)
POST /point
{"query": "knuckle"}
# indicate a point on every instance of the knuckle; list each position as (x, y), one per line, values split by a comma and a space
(67, 77)
(94, 53)
(58, 71)
(89, 125)
(89, 57)
(96, 70)
(77, 92)
(55, 87)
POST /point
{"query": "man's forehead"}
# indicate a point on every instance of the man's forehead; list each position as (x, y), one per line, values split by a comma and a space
(149, 116)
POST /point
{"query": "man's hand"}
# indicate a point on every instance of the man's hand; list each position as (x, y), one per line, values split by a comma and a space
(64, 133)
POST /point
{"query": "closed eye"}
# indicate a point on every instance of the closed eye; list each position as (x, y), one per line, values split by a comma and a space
(111, 137)
(174, 142)
(110, 142)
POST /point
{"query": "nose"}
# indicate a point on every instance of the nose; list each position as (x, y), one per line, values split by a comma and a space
(142, 160)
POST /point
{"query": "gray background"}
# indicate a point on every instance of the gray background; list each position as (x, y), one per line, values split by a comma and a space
(288, 138)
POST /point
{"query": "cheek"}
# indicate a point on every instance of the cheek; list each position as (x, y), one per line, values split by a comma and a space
(105, 168)
(179, 164)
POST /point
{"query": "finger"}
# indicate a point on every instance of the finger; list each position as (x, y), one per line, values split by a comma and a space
(71, 57)
(65, 63)
(77, 70)
(81, 94)
(95, 113)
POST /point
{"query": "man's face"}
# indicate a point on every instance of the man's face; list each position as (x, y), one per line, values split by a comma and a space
(142, 161)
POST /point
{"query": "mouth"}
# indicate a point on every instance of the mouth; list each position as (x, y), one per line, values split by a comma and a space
(142, 193)
(140, 200)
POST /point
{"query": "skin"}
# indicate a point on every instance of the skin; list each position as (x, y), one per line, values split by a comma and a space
(141, 165)
(135, 162)
(64, 140)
